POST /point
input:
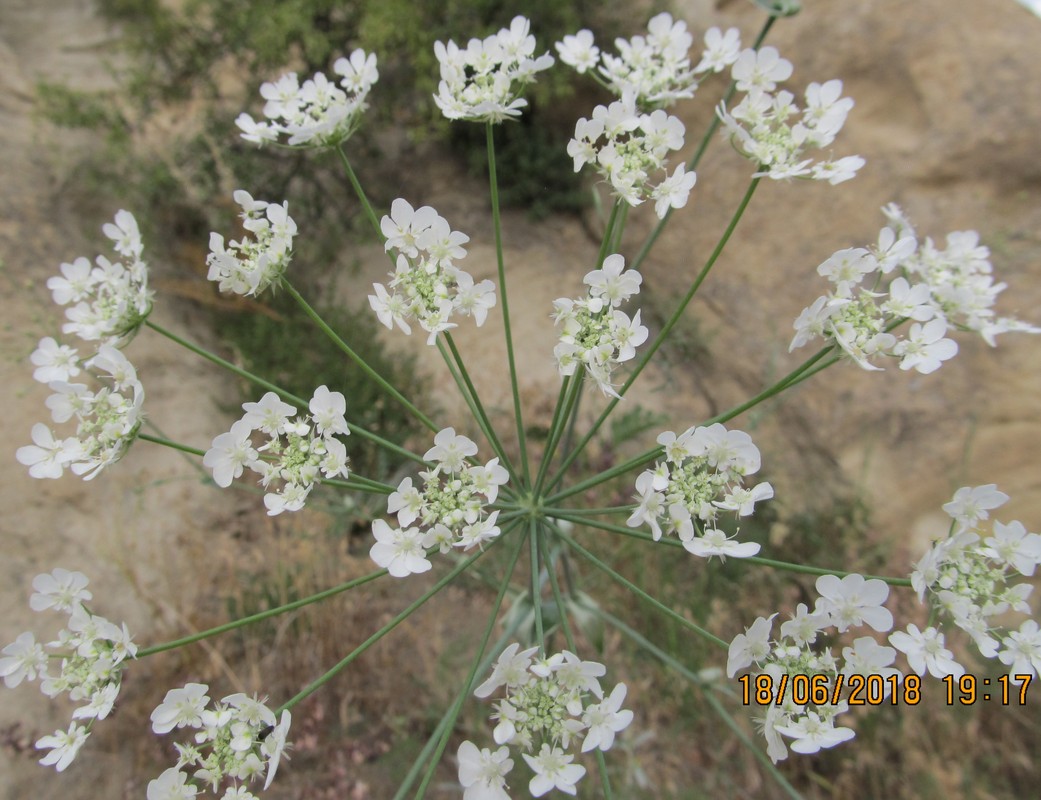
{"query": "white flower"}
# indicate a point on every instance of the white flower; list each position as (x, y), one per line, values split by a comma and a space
(274, 745)
(630, 149)
(317, 113)
(1015, 546)
(553, 770)
(971, 504)
(180, 708)
(605, 719)
(852, 601)
(48, 456)
(230, 453)
(510, 670)
(451, 450)
(54, 362)
(578, 51)
(64, 746)
(654, 68)
(925, 347)
(483, 82)
(925, 651)
(482, 773)
(761, 126)
(23, 659)
(721, 50)
(716, 543)
(750, 647)
(112, 299)
(1022, 651)
(171, 785)
(327, 410)
(400, 551)
(250, 266)
(760, 69)
(60, 589)
(427, 285)
(813, 732)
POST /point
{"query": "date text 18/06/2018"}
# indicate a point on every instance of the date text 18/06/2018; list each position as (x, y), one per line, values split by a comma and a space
(877, 690)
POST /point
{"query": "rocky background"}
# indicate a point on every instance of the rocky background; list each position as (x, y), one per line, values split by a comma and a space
(948, 116)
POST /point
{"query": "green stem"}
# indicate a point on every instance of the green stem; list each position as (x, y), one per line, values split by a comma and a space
(536, 586)
(468, 685)
(330, 674)
(469, 393)
(796, 376)
(675, 665)
(808, 570)
(551, 567)
(752, 747)
(195, 451)
(652, 238)
(560, 418)
(666, 330)
(340, 343)
(366, 205)
(271, 612)
(213, 358)
(497, 221)
(766, 562)
(632, 587)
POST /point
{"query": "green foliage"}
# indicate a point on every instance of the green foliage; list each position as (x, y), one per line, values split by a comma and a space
(286, 348)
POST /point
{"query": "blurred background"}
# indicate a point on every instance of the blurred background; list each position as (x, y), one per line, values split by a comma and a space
(130, 104)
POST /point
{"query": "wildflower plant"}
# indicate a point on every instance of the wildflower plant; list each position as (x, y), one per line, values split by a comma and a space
(553, 718)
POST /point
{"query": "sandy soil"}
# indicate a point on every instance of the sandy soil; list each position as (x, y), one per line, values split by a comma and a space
(948, 114)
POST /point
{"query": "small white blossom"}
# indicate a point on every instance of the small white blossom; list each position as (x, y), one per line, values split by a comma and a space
(317, 113)
(483, 82)
(925, 651)
(64, 746)
(110, 301)
(482, 773)
(427, 285)
(250, 266)
(298, 453)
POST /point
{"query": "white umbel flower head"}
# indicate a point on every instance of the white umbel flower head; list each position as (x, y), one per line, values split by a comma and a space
(484, 81)
(108, 303)
(427, 285)
(702, 474)
(450, 509)
(299, 451)
(318, 113)
(250, 266)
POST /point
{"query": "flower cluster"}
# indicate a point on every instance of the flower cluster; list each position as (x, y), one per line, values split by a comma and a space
(319, 113)
(237, 740)
(110, 300)
(702, 474)
(93, 654)
(550, 704)
(248, 267)
(655, 69)
(769, 129)
(628, 148)
(594, 333)
(842, 604)
(107, 420)
(482, 82)
(961, 286)
(937, 290)
(297, 449)
(426, 285)
(450, 508)
(969, 579)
